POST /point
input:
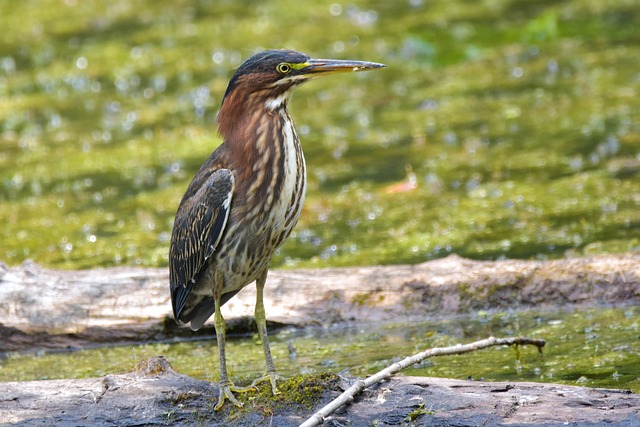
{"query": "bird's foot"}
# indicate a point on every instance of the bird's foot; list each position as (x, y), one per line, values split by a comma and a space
(271, 377)
(226, 392)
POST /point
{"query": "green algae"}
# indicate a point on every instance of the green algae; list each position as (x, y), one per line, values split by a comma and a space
(517, 120)
(596, 348)
(303, 391)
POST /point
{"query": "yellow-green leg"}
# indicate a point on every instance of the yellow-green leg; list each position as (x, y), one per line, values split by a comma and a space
(226, 386)
(261, 321)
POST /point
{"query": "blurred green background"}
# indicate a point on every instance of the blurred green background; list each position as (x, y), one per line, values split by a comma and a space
(500, 129)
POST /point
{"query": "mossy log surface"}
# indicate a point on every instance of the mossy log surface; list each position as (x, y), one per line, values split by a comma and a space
(43, 308)
(155, 395)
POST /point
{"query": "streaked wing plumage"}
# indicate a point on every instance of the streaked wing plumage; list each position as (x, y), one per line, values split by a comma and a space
(200, 223)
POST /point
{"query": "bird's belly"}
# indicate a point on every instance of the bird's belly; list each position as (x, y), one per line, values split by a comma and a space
(250, 254)
(247, 254)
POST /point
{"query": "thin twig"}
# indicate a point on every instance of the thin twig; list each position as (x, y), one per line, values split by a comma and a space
(348, 395)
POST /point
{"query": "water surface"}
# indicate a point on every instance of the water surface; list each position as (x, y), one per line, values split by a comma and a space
(498, 129)
(597, 348)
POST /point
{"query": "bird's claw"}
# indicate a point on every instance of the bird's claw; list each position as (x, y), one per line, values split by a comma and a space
(271, 377)
(226, 392)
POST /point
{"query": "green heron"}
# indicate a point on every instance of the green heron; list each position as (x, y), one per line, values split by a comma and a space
(246, 198)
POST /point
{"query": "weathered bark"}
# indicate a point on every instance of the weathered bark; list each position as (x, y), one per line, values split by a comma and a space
(55, 308)
(44, 308)
(154, 395)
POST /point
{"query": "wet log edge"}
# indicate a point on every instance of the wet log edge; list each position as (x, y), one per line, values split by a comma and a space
(59, 310)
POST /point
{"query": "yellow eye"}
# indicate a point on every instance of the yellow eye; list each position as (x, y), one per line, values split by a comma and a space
(283, 68)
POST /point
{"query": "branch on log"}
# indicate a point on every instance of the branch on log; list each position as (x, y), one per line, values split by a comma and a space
(348, 395)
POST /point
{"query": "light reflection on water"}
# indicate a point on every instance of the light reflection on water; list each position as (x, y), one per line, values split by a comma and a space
(521, 139)
(597, 348)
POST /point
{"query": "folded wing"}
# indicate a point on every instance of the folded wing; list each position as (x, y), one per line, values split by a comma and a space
(199, 225)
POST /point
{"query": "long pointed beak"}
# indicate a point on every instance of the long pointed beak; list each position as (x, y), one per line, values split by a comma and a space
(328, 66)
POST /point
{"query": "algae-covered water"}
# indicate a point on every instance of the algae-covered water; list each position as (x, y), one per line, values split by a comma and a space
(499, 129)
(596, 348)
(517, 122)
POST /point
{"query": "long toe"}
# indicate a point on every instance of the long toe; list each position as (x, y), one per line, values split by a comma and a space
(272, 377)
(226, 392)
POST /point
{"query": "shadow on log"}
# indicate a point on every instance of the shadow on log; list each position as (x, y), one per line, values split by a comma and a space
(44, 308)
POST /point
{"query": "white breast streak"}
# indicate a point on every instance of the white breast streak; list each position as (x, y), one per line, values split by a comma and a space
(291, 176)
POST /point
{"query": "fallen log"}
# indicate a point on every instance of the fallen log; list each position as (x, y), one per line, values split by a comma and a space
(155, 395)
(47, 308)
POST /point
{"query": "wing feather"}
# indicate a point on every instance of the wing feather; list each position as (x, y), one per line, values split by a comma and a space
(197, 230)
